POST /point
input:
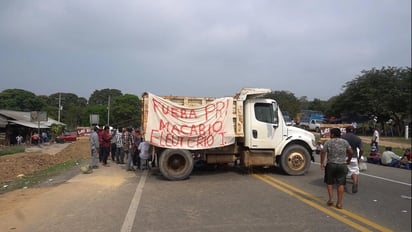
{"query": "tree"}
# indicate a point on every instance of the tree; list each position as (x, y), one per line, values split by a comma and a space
(20, 100)
(72, 108)
(101, 97)
(384, 94)
(318, 105)
(126, 111)
(100, 110)
(287, 101)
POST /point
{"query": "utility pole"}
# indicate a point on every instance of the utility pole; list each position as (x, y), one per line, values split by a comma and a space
(108, 112)
(60, 107)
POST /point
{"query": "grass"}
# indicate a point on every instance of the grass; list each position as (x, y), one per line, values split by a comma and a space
(38, 177)
(397, 150)
(12, 150)
(367, 149)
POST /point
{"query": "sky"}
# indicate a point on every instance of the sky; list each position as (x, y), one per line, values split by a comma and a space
(207, 48)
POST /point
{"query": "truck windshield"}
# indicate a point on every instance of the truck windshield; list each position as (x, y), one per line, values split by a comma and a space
(265, 112)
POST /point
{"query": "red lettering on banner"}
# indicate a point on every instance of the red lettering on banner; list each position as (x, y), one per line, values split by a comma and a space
(210, 140)
(220, 106)
(173, 111)
(200, 141)
(205, 128)
(175, 130)
(163, 125)
(165, 139)
(222, 134)
(168, 140)
(155, 104)
(190, 142)
(193, 130)
(208, 110)
(217, 126)
(202, 129)
(154, 139)
(192, 114)
(217, 110)
(165, 110)
(184, 130)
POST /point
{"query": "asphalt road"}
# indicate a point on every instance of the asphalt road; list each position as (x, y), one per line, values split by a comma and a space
(111, 199)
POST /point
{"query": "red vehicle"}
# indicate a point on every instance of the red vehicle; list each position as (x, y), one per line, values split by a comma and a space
(66, 137)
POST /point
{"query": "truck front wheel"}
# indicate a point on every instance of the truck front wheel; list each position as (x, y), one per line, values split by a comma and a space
(295, 160)
(176, 164)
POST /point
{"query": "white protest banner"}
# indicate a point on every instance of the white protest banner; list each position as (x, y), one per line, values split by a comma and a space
(170, 125)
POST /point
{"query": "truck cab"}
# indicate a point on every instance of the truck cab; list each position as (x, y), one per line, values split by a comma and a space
(268, 136)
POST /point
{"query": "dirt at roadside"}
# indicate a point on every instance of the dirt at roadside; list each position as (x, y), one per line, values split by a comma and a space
(39, 158)
(384, 142)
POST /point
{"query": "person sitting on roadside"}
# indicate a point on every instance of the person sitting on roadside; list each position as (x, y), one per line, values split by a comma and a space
(406, 160)
(389, 158)
(374, 156)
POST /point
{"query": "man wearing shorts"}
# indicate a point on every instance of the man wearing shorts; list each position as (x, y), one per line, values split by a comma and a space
(338, 154)
(356, 144)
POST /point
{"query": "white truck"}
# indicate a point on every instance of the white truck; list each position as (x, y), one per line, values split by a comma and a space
(247, 130)
(312, 125)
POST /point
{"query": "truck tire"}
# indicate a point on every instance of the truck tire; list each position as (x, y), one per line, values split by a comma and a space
(176, 164)
(295, 160)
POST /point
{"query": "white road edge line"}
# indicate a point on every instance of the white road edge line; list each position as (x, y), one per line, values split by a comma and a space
(382, 178)
(131, 213)
(378, 177)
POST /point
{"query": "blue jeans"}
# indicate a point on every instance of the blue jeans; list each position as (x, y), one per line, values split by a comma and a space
(105, 154)
(129, 164)
(394, 162)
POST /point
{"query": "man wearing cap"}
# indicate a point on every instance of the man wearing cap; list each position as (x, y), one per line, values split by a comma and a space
(357, 145)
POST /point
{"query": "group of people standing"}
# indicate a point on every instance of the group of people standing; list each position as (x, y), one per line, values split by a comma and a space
(123, 146)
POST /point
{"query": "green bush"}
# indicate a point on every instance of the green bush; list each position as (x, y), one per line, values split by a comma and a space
(12, 150)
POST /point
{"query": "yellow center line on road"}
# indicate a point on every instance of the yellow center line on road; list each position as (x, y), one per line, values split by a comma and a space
(317, 203)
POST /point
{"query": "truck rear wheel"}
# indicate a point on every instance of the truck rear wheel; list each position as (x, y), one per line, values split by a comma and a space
(295, 160)
(176, 164)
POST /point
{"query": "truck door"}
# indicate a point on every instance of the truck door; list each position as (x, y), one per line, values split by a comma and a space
(263, 127)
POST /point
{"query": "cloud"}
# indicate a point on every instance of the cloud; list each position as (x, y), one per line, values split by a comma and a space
(208, 48)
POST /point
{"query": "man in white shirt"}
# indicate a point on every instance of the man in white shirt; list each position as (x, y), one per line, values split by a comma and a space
(375, 138)
(389, 158)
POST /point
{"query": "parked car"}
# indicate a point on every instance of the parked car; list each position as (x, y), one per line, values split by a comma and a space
(66, 137)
